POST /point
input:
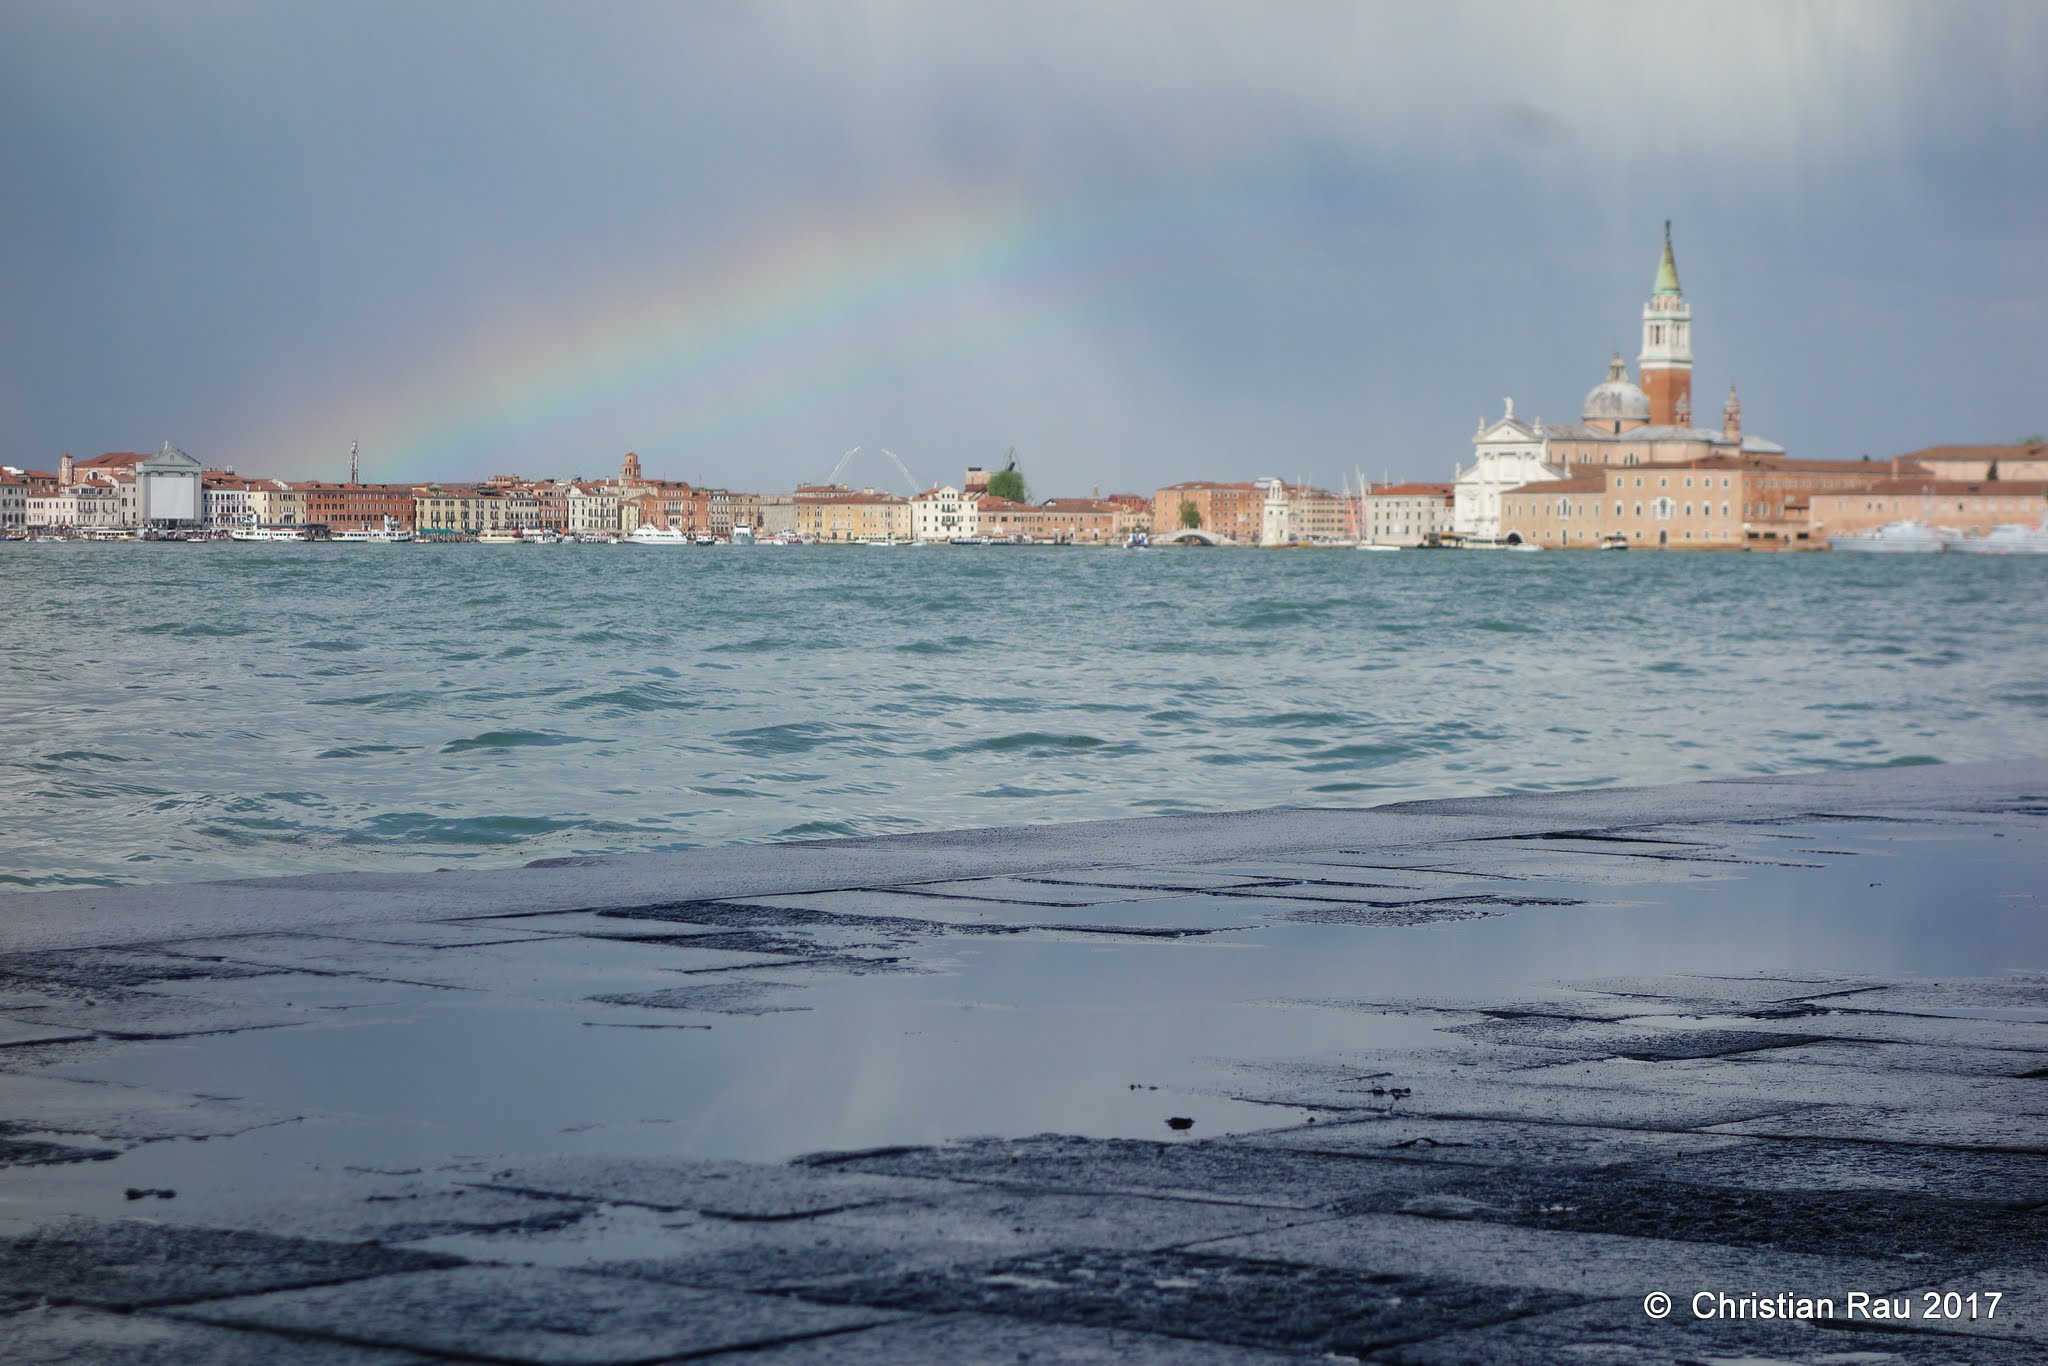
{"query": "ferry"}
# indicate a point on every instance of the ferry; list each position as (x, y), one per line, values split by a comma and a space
(1896, 538)
(743, 535)
(1374, 545)
(499, 536)
(658, 535)
(543, 536)
(1614, 540)
(595, 538)
(279, 531)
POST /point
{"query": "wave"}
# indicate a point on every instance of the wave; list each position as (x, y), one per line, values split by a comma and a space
(498, 741)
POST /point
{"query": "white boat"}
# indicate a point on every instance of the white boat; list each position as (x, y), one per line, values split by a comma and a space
(742, 535)
(1374, 545)
(279, 532)
(389, 534)
(2014, 538)
(542, 535)
(704, 538)
(499, 536)
(658, 535)
(881, 540)
(595, 538)
(1895, 538)
(1613, 540)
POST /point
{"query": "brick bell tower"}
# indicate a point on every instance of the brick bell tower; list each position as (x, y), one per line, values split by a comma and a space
(1665, 366)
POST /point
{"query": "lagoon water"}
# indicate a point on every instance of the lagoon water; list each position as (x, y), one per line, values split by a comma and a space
(176, 712)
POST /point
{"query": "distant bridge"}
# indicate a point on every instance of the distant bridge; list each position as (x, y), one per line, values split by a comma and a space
(1192, 536)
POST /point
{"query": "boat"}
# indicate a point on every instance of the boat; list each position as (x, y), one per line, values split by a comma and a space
(391, 533)
(658, 535)
(2013, 538)
(542, 535)
(1137, 540)
(881, 540)
(595, 538)
(1895, 538)
(743, 535)
(500, 536)
(278, 531)
(704, 538)
(1613, 540)
(1374, 545)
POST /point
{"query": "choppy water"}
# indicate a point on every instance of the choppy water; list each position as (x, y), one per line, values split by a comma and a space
(184, 711)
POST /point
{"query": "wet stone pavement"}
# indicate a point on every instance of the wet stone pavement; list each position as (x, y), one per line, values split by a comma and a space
(1455, 1082)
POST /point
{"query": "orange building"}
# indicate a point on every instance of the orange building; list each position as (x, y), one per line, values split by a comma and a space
(1233, 511)
(1724, 502)
(355, 507)
(1959, 505)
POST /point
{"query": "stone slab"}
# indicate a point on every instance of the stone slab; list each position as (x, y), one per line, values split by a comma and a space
(987, 1340)
(550, 1318)
(129, 1264)
(91, 1337)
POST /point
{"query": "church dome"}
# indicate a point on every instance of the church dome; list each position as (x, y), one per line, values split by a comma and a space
(1616, 400)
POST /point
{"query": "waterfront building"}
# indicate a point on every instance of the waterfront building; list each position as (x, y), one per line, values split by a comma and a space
(942, 514)
(777, 514)
(1301, 514)
(452, 510)
(1133, 513)
(1722, 502)
(1405, 514)
(1236, 512)
(591, 509)
(273, 502)
(834, 513)
(659, 502)
(226, 496)
(13, 502)
(355, 507)
(168, 489)
(1076, 521)
(1959, 505)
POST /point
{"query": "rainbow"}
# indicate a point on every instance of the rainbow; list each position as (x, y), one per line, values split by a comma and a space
(708, 349)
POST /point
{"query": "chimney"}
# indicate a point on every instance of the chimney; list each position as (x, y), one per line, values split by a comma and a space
(64, 470)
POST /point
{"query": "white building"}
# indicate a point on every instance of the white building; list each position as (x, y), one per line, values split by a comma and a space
(167, 489)
(943, 514)
(13, 503)
(1407, 514)
(226, 501)
(1505, 455)
(593, 509)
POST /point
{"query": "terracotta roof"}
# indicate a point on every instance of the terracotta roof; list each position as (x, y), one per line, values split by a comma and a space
(1412, 491)
(1578, 483)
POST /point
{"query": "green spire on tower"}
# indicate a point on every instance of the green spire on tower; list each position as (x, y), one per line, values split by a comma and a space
(1667, 268)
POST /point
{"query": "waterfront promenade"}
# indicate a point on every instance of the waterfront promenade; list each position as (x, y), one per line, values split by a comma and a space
(1443, 1082)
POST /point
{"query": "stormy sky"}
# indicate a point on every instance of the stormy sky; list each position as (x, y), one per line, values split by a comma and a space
(1135, 241)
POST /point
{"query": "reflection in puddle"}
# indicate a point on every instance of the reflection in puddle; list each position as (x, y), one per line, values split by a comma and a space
(487, 1055)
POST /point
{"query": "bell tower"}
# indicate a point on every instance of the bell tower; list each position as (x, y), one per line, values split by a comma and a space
(1666, 360)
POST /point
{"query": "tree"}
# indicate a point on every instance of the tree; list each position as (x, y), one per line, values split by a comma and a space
(1009, 484)
(1190, 515)
(1991, 474)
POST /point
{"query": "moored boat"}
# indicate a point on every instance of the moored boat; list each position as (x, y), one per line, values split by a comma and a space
(649, 534)
(500, 536)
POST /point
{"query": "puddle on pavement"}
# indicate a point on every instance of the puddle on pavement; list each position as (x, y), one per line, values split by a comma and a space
(1044, 1031)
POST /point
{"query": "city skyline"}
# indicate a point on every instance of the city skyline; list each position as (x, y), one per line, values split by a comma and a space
(1137, 247)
